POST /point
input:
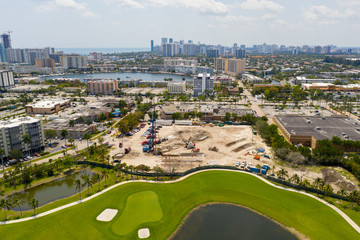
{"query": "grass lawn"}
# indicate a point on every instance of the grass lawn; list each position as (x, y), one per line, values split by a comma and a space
(174, 201)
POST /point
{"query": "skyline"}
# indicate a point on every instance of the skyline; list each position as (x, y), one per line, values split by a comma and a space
(133, 23)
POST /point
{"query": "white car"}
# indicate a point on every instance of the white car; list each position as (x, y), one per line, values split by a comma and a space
(249, 165)
(237, 164)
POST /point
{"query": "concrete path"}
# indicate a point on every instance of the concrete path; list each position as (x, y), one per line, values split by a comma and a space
(342, 214)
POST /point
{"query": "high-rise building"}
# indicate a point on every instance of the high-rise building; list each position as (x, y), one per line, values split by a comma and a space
(326, 49)
(212, 53)
(6, 40)
(6, 79)
(240, 53)
(317, 49)
(152, 45)
(230, 66)
(203, 84)
(72, 61)
(169, 49)
(12, 132)
(104, 87)
(189, 49)
(171, 40)
(3, 56)
(45, 63)
(164, 41)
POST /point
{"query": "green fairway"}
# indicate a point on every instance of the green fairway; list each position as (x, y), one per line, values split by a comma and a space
(161, 208)
(140, 208)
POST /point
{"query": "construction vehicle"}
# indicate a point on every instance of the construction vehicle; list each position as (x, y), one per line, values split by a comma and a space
(264, 169)
(120, 144)
(267, 156)
(257, 157)
(195, 150)
(127, 150)
(214, 149)
(188, 143)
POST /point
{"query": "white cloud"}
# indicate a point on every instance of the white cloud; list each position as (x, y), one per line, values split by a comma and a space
(260, 5)
(69, 4)
(232, 18)
(202, 6)
(317, 13)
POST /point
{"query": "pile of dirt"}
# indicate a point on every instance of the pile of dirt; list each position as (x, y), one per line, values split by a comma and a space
(332, 176)
(242, 147)
(234, 142)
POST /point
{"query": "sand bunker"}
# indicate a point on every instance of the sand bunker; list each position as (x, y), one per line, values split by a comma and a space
(107, 215)
(144, 233)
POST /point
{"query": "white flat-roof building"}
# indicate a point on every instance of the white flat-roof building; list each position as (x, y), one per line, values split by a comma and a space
(47, 107)
(203, 83)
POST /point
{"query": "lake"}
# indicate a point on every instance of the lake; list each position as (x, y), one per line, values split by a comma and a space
(225, 221)
(48, 192)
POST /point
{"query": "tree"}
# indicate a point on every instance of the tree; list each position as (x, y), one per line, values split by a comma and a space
(123, 126)
(78, 186)
(26, 139)
(50, 133)
(295, 158)
(282, 173)
(34, 204)
(342, 192)
(16, 154)
(104, 174)
(318, 183)
(71, 123)
(295, 179)
(234, 116)
(88, 121)
(176, 116)
(101, 140)
(2, 152)
(64, 134)
(87, 182)
(96, 178)
(158, 171)
(227, 116)
(71, 140)
(5, 204)
(87, 137)
(16, 203)
(328, 190)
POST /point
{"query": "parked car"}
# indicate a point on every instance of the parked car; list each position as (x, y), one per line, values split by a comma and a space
(237, 164)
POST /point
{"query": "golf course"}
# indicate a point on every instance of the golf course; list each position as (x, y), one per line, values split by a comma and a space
(161, 207)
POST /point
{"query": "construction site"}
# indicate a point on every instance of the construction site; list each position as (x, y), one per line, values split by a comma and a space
(180, 148)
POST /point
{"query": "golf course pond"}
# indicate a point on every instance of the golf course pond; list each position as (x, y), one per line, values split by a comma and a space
(225, 221)
(51, 191)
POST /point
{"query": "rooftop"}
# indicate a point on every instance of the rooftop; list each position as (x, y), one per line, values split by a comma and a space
(17, 122)
(321, 127)
(47, 103)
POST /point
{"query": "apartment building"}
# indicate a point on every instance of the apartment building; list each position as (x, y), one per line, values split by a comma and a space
(104, 87)
(6, 79)
(230, 66)
(12, 132)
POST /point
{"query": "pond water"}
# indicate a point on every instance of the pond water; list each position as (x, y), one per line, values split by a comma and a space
(222, 221)
(124, 76)
(51, 191)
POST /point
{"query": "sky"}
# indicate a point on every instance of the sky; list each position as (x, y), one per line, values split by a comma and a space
(133, 23)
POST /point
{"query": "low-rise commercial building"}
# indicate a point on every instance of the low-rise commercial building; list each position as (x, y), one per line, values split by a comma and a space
(12, 132)
(331, 87)
(47, 107)
(77, 131)
(307, 130)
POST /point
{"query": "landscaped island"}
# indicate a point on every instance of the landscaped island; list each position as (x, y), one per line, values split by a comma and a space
(161, 208)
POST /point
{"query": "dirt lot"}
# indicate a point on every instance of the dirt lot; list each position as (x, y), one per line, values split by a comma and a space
(233, 142)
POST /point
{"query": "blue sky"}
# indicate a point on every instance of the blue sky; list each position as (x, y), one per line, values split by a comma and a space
(133, 23)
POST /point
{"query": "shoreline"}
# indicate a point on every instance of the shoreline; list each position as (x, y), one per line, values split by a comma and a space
(293, 231)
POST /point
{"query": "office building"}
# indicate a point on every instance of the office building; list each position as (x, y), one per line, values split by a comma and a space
(176, 87)
(180, 61)
(103, 87)
(6, 79)
(240, 53)
(203, 84)
(3, 55)
(47, 107)
(190, 49)
(152, 45)
(72, 61)
(12, 132)
(164, 41)
(45, 63)
(214, 53)
(169, 49)
(171, 40)
(230, 66)
(317, 49)
(77, 131)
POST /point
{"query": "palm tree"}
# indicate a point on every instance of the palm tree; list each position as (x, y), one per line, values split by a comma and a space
(34, 204)
(353, 197)
(26, 139)
(104, 174)
(87, 137)
(342, 192)
(5, 204)
(96, 178)
(87, 182)
(77, 184)
(305, 183)
(101, 140)
(116, 170)
(158, 170)
(71, 140)
(295, 179)
(64, 134)
(282, 173)
(131, 168)
(121, 166)
(328, 189)
(16, 203)
(2, 152)
(71, 123)
(317, 183)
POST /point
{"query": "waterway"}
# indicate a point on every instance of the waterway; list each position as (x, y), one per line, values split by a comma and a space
(124, 76)
(48, 192)
(223, 221)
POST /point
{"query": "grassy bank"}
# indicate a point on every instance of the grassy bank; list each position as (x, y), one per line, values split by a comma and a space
(306, 215)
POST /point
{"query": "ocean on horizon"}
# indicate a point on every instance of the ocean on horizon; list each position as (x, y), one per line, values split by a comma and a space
(86, 51)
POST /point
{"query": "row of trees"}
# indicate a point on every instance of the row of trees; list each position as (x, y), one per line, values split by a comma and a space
(6, 204)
